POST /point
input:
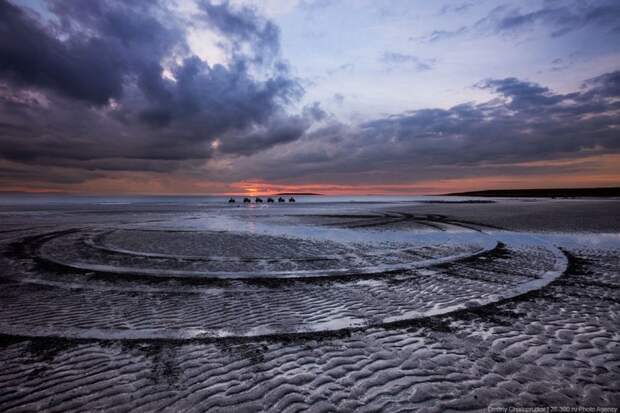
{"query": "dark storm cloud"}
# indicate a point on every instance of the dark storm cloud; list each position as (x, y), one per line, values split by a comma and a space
(525, 122)
(528, 122)
(265, 136)
(215, 99)
(604, 86)
(523, 96)
(101, 82)
(50, 176)
(31, 56)
(276, 131)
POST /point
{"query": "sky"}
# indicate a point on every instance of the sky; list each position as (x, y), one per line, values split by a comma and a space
(328, 96)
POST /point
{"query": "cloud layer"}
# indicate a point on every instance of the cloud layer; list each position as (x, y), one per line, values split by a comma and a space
(113, 85)
(112, 90)
(525, 122)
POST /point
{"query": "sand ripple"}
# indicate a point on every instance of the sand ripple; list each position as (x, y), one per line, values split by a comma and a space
(436, 327)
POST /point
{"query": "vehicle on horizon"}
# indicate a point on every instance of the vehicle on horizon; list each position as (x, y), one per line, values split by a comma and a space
(270, 200)
(291, 199)
(259, 200)
(246, 200)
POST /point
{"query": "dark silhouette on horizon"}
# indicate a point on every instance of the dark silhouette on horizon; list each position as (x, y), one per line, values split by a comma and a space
(544, 192)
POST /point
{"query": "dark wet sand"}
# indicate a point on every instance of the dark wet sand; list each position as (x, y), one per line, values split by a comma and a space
(120, 308)
(566, 215)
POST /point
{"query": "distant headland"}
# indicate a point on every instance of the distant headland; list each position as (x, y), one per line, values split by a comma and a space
(544, 193)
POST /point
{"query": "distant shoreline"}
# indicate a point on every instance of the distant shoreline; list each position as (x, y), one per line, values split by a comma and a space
(544, 193)
(489, 193)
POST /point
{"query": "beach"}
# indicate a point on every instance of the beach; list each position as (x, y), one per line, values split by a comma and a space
(326, 304)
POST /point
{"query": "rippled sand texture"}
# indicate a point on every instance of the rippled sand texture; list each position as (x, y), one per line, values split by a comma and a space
(321, 307)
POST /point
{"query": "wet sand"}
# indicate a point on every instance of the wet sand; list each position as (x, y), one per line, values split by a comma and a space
(320, 306)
